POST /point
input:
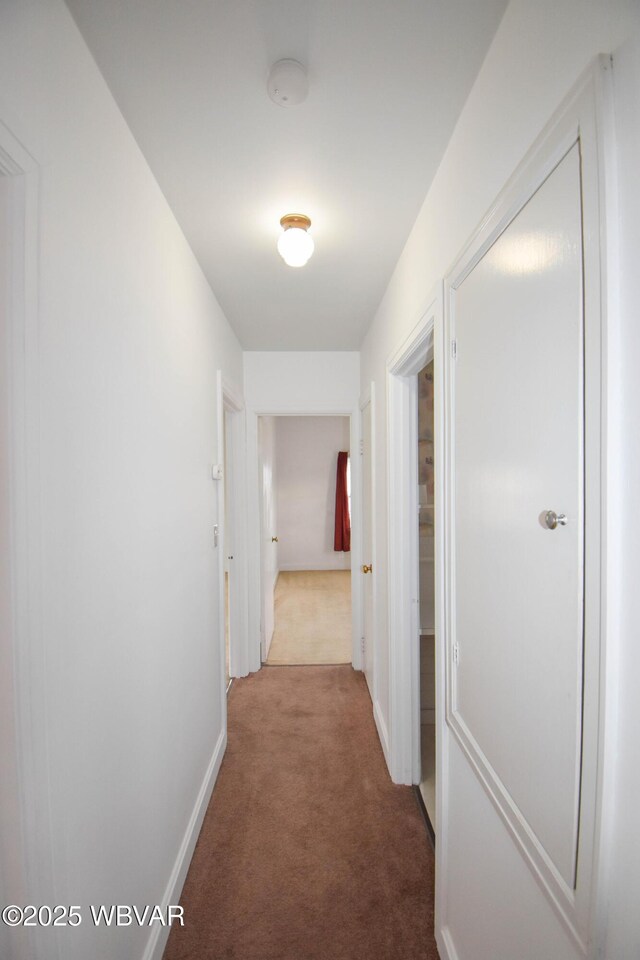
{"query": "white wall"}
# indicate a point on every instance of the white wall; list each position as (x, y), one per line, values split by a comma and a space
(130, 337)
(297, 383)
(622, 835)
(541, 48)
(307, 455)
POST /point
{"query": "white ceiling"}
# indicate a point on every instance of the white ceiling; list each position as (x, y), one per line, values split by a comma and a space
(388, 79)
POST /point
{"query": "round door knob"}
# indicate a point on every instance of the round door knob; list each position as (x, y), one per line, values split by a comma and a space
(553, 519)
(274, 539)
(367, 567)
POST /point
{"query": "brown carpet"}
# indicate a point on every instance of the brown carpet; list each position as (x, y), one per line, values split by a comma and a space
(307, 851)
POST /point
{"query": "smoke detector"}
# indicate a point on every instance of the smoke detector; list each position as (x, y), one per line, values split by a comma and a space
(288, 84)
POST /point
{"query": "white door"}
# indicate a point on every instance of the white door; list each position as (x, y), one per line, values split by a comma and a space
(229, 584)
(367, 549)
(518, 531)
(269, 546)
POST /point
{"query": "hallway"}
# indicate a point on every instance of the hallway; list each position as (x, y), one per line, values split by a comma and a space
(232, 236)
(307, 849)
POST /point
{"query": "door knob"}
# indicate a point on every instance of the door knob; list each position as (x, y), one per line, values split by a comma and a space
(274, 539)
(553, 519)
(367, 567)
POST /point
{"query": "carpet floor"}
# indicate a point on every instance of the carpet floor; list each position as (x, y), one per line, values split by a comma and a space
(307, 850)
(312, 617)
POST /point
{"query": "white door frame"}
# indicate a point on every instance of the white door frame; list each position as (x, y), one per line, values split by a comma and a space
(233, 474)
(404, 548)
(253, 526)
(25, 651)
(582, 117)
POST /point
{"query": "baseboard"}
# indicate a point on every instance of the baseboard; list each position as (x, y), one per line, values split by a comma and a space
(381, 727)
(287, 567)
(445, 945)
(159, 935)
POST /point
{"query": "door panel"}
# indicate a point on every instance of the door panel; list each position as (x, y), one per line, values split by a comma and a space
(519, 452)
(269, 551)
(367, 548)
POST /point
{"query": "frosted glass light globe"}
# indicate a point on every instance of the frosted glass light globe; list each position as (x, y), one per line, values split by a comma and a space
(295, 246)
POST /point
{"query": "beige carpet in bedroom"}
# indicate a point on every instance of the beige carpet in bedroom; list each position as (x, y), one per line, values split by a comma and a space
(312, 618)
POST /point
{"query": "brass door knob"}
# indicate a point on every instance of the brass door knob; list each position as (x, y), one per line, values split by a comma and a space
(274, 539)
(367, 567)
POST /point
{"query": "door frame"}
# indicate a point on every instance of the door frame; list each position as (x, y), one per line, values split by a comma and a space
(253, 526)
(584, 117)
(233, 475)
(402, 371)
(26, 651)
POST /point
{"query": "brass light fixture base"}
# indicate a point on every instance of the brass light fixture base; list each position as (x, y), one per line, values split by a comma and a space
(295, 220)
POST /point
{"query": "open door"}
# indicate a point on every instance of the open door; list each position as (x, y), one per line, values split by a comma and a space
(368, 619)
(268, 530)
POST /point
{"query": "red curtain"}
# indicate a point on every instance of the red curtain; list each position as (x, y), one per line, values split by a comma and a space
(342, 536)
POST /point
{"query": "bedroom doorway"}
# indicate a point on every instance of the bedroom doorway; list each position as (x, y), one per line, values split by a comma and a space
(305, 494)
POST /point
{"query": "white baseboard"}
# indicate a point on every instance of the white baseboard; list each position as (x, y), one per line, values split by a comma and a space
(159, 935)
(381, 727)
(312, 565)
(445, 945)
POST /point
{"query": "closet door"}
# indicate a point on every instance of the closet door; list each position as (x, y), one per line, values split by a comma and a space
(520, 611)
(519, 510)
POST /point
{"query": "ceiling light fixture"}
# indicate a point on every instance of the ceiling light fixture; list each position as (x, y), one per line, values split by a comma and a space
(295, 246)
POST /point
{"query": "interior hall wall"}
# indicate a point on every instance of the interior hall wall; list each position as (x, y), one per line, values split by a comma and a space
(621, 853)
(306, 454)
(130, 337)
(302, 381)
(540, 50)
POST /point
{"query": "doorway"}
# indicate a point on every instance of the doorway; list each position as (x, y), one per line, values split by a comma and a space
(415, 665)
(305, 493)
(426, 555)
